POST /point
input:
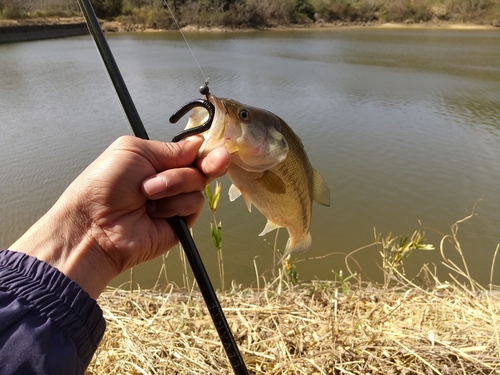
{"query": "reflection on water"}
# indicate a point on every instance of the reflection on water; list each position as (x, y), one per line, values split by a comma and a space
(403, 125)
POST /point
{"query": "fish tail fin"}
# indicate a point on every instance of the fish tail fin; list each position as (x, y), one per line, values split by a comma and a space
(303, 245)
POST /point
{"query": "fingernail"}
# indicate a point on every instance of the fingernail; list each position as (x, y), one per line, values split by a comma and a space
(155, 185)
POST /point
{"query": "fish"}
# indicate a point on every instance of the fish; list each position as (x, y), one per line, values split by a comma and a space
(269, 167)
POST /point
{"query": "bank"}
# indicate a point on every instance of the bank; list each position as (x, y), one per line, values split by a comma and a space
(319, 327)
(12, 31)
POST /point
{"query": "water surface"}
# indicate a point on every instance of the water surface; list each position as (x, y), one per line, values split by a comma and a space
(403, 124)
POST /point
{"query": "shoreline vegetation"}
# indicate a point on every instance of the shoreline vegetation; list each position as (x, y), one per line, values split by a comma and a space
(418, 325)
(232, 15)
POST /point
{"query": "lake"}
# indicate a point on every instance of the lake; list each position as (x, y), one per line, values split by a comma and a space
(403, 124)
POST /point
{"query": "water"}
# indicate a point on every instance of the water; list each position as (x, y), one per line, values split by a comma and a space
(403, 124)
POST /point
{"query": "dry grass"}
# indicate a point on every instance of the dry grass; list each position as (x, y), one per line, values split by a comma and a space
(321, 327)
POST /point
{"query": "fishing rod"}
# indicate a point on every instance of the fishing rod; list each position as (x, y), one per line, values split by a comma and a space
(179, 225)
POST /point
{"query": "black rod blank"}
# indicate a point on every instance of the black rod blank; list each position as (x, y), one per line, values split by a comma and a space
(177, 223)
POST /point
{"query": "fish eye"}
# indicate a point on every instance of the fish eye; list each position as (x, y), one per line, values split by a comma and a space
(243, 114)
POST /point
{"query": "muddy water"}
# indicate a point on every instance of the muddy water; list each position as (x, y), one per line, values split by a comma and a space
(403, 124)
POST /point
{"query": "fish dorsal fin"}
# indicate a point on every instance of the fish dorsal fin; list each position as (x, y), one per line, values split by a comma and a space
(272, 183)
(234, 193)
(321, 192)
(270, 226)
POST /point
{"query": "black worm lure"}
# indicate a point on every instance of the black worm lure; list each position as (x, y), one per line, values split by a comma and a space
(188, 107)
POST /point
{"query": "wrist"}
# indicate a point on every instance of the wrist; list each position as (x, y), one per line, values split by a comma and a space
(61, 240)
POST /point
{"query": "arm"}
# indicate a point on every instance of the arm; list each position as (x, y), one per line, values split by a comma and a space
(111, 218)
(48, 325)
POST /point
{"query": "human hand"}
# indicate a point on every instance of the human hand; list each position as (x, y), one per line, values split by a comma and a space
(112, 217)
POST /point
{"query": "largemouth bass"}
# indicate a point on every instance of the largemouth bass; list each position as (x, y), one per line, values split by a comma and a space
(269, 167)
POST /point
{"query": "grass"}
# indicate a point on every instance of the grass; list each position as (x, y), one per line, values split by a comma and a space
(342, 326)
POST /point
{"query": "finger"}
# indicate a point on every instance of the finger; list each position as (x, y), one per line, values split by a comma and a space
(169, 237)
(191, 219)
(185, 180)
(215, 164)
(172, 182)
(163, 155)
(174, 155)
(184, 205)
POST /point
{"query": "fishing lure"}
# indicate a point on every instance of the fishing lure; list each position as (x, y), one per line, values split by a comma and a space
(204, 103)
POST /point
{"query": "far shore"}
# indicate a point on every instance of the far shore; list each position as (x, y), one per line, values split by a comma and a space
(12, 31)
(115, 26)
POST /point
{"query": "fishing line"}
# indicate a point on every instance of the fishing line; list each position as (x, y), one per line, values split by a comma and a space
(192, 53)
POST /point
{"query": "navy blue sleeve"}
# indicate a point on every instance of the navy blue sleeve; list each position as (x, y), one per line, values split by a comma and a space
(48, 324)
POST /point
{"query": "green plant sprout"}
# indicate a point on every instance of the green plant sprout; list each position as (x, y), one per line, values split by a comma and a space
(346, 289)
(216, 227)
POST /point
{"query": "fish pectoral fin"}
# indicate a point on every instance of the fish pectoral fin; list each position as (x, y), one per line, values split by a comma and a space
(303, 245)
(321, 192)
(272, 182)
(234, 193)
(270, 226)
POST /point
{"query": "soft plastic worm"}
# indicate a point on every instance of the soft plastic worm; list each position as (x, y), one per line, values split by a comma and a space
(185, 109)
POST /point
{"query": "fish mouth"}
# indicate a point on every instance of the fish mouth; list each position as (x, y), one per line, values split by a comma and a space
(220, 107)
(215, 136)
(219, 103)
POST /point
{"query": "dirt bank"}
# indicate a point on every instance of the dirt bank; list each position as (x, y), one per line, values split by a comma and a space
(120, 27)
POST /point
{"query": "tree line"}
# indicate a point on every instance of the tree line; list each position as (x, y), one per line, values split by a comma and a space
(263, 13)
